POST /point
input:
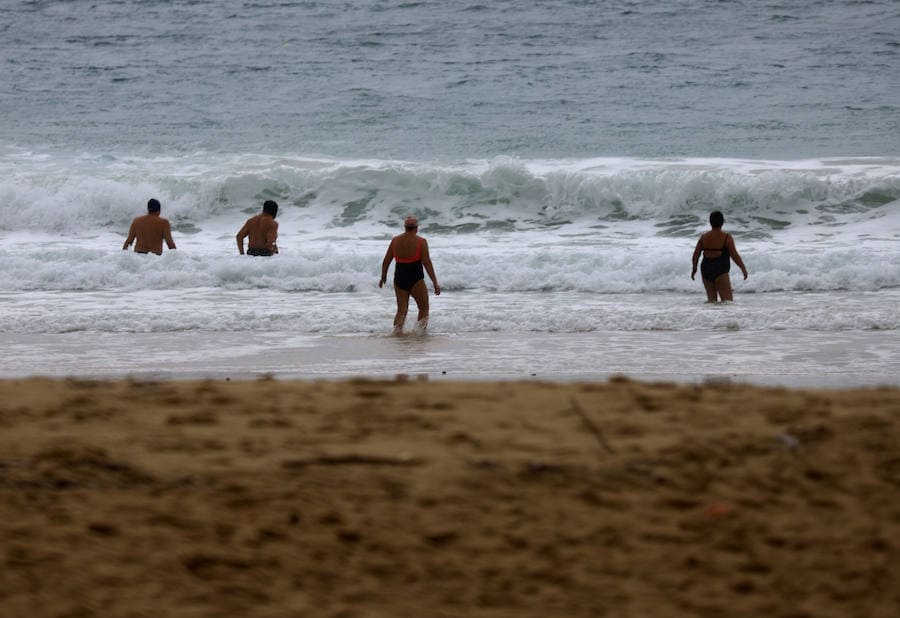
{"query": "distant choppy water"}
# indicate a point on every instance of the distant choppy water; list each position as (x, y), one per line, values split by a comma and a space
(432, 79)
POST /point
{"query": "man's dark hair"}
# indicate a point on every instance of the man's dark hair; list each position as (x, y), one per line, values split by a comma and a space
(716, 219)
(270, 208)
(153, 206)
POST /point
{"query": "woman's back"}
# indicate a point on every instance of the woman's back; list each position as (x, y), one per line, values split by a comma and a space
(407, 247)
(713, 242)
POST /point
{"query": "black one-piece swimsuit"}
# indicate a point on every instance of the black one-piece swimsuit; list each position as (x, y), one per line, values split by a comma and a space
(713, 268)
(409, 271)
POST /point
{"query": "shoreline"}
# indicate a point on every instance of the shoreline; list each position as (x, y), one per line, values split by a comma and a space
(368, 497)
(795, 359)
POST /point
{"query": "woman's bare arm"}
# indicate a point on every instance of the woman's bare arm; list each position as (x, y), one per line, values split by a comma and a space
(429, 267)
(733, 252)
(385, 263)
(696, 257)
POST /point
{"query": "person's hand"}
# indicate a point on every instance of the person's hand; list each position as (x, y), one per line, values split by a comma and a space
(745, 274)
(694, 272)
(381, 283)
(437, 290)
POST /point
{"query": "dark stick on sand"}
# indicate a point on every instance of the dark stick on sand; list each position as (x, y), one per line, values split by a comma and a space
(576, 407)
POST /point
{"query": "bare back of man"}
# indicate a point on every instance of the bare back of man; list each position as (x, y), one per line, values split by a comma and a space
(261, 232)
(148, 233)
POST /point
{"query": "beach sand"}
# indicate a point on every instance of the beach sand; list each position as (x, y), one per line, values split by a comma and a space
(411, 498)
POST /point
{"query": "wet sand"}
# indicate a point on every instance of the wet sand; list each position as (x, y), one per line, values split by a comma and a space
(808, 359)
(409, 498)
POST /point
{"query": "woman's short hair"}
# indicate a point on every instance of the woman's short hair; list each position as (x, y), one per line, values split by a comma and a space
(716, 219)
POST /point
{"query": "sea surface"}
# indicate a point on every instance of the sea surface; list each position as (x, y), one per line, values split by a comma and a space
(562, 157)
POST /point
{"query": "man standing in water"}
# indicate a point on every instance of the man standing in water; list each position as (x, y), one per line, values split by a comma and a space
(150, 231)
(717, 247)
(411, 253)
(262, 230)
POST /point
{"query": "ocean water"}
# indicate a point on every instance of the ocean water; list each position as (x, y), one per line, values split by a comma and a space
(562, 157)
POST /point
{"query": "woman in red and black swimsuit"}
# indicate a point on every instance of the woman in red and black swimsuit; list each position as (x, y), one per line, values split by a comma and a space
(411, 254)
(718, 250)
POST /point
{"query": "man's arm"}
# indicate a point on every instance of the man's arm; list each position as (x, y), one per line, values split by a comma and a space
(240, 239)
(131, 236)
(429, 267)
(272, 237)
(167, 236)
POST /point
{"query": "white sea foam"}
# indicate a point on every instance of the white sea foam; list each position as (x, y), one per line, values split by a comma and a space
(526, 262)
(454, 312)
(545, 246)
(89, 193)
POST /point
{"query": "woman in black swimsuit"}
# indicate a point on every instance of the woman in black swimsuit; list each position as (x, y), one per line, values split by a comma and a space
(718, 250)
(411, 254)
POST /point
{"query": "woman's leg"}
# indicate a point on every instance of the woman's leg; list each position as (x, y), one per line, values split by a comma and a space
(723, 287)
(419, 292)
(402, 308)
(710, 288)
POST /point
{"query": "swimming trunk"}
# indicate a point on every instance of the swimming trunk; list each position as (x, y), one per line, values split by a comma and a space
(409, 271)
(713, 268)
(255, 251)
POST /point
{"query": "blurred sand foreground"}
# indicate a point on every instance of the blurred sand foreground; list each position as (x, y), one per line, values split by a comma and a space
(396, 499)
